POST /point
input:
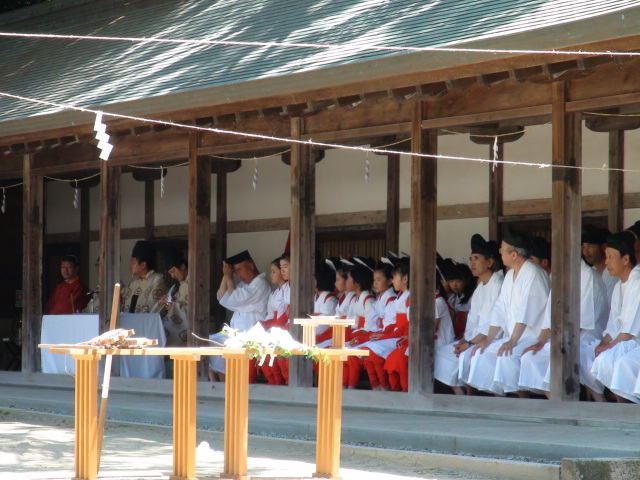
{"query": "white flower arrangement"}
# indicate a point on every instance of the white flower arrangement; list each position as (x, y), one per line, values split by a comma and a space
(257, 340)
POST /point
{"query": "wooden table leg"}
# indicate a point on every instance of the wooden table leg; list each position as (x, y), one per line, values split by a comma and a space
(86, 409)
(339, 333)
(329, 419)
(236, 417)
(184, 416)
(309, 335)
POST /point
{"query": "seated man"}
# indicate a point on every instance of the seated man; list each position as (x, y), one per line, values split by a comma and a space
(518, 311)
(623, 328)
(247, 300)
(147, 287)
(594, 243)
(174, 306)
(70, 295)
(535, 371)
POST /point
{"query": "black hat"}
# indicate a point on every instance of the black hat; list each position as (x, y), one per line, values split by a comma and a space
(239, 258)
(517, 239)
(489, 249)
(623, 242)
(334, 263)
(541, 248)
(635, 228)
(594, 235)
(172, 257)
(144, 250)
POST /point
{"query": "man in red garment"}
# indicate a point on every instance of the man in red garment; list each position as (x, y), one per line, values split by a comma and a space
(70, 295)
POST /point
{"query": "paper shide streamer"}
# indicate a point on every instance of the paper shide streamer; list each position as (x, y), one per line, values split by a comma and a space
(102, 137)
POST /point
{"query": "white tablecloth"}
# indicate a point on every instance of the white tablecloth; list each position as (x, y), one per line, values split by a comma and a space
(147, 325)
(65, 329)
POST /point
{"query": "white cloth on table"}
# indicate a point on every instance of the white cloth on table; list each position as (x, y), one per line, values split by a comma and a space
(248, 302)
(523, 301)
(148, 325)
(67, 329)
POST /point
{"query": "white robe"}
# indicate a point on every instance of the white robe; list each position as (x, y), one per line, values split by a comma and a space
(248, 302)
(623, 318)
(176, 320)
(535, 369)
(520, 301)
(149, 290)
(452, 370)
(385, 346)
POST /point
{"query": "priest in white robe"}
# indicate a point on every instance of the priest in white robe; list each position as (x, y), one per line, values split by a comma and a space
(452, 360)
(518, 312)
(247, 299)
(621, 336)
(147, 286)
(594, 311)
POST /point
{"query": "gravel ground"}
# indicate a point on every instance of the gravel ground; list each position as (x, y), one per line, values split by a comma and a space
(39, 446)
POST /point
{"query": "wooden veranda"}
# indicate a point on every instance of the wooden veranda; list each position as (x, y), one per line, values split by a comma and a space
(484, 94)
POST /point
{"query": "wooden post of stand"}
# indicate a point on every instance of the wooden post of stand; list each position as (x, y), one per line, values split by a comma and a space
(236, 416)
(109, 237)
(565, 240)
(86, 412)
(199, 241)
(329, 420)
(393, 203)
(422, 278)
(303, 234)
(32, 240)
(184, 416)
(496, 194)
(616, 181)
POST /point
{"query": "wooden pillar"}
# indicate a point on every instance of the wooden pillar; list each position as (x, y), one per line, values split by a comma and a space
(85, 232)
(221, 240)
(616, 181)
(149, 210)
(86, 412)
(422, 279)
(393, 203)
(199, 241)
(184, 416)
(496, 194)
(32, 242)
(303, 239)
(565, 240)
(110, 198)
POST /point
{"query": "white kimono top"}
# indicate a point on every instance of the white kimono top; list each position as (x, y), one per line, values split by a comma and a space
(247, 302)
(384, 310)
(325, 304)
(176, 321)
(625, 307)
(363, 312)
(149, 290)
(345, 304)
(522, 301)
(482, 302)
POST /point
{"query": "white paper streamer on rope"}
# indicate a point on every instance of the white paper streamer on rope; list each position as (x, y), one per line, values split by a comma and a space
(161, 182)
(495, 153)
(255, 175)
(75, 196)
(102, 137)
(366, 169)
(4, 201)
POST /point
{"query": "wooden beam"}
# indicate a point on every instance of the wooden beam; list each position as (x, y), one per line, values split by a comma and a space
(32, 238)
(565, 240)
(392, 227)
(110, 201)
(496, 194)
(85, 233)
(303, 229)
(199, 242)
(221, 228)
(616, 181)
(423, 256)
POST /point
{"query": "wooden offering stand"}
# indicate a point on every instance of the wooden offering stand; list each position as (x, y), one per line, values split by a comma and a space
(184, 407)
